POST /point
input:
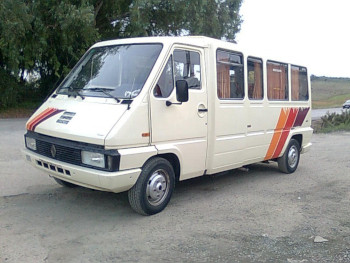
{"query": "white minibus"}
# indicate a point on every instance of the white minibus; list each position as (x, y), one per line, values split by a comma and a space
(140, 114)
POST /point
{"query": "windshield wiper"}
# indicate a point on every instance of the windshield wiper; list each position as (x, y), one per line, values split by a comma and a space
(105, 92)
(75, 92)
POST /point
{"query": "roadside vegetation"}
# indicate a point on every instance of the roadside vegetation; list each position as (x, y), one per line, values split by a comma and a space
(333, 122)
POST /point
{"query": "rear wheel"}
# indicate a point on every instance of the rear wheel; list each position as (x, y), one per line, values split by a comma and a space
(289, 161)
(64, 183)
(153, 189)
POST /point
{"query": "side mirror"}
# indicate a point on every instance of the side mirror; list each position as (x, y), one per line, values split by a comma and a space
(182, 90)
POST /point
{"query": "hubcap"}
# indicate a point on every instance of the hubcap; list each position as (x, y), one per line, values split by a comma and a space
(158, 187)
(292, 156)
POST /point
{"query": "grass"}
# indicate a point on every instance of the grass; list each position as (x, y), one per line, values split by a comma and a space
(331, 102)
(329, 92)
(341, 127)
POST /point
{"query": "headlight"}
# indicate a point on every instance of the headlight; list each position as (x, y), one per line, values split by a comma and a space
(93, 159)
(31, 143)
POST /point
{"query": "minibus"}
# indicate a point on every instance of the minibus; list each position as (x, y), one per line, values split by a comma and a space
(140, 114)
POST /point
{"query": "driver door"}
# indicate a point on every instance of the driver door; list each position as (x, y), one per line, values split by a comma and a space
(182, 129)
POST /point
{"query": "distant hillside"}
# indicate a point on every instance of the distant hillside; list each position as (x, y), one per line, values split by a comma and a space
(329, 92)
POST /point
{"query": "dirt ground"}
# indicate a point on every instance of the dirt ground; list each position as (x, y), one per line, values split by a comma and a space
(260, 215)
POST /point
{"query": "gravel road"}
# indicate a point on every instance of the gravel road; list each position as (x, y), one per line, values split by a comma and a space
(255, 215)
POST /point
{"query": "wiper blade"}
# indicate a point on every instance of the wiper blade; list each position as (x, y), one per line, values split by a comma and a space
(104, 92)
(75, 92)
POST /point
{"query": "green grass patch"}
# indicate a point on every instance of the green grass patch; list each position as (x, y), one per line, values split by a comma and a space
(332, 122)
(332, 102)
(329, 92)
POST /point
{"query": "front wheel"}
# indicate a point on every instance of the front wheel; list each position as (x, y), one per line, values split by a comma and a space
(289, 161)
(153, 189)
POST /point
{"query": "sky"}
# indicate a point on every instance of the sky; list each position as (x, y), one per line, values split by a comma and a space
(312, 33)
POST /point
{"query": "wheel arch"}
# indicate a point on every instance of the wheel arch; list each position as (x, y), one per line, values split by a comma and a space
(298, 138)
(173, 160)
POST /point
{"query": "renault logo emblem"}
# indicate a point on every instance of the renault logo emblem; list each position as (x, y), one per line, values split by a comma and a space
(53, 151)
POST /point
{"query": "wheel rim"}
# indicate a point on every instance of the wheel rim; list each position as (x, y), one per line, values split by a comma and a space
(158, 187)
(293, 156)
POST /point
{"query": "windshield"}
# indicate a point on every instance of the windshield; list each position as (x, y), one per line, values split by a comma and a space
(119, 70)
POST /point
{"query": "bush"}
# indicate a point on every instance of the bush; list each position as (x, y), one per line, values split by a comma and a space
(9, 90)
(335, 122)
(17, 95)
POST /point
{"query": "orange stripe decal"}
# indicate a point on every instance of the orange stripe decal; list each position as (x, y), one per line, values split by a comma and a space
(289, 124)
(277, 133)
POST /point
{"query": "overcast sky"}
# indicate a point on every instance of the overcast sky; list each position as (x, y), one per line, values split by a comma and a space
(313, 32)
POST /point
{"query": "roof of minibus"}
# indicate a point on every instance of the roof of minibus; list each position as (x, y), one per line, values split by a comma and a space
(199, 41)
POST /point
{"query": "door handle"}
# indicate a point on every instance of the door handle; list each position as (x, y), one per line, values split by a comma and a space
(202, 110)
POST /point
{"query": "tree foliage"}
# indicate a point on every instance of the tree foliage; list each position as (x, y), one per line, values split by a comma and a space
(44, 38)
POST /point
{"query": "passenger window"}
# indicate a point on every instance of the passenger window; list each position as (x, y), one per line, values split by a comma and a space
(277, 81)
(165, 84)
(255, 79)
(230, 75)
(187, 66)
(299, 83)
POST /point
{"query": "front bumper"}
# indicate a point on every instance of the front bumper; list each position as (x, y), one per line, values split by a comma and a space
(87, 177)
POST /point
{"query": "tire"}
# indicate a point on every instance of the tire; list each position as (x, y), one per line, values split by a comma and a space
(289, 161)
(64, 183)
(154, 187)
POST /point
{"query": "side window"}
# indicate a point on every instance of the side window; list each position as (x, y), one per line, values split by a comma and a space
(187, 66)
(299, 83)
(165, 84)
(277, 81)
(255, 79)
(230, 75)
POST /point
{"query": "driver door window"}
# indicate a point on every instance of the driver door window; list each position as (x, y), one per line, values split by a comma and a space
(187, 67)
(165, 84)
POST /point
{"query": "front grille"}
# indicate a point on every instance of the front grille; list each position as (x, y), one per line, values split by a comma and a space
(62, 153)
(70, 151)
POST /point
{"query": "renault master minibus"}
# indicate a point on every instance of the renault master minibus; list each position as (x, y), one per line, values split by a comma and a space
(139, 114)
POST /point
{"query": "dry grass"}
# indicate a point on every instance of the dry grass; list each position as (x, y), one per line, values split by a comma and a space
(332, 102)
(16, 113)
(329, 92)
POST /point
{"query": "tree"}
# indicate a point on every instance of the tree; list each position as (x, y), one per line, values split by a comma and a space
(44, 36)
(214, 18)
(47, 37)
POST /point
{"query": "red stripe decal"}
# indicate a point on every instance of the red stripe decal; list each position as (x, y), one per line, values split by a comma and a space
(277, 133)
(30, 124)
(46, 114)
(37, 119)
(47, 117)
(289, 124)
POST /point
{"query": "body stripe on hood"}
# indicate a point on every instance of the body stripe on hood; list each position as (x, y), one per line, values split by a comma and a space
(46, 114)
